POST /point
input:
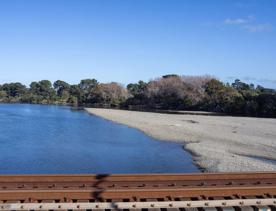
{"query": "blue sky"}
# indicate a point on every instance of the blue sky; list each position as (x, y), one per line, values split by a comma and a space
(128, 40)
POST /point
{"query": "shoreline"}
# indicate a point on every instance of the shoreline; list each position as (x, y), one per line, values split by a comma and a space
(216, 143)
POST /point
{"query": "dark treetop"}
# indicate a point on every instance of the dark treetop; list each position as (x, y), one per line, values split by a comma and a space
(168, 92)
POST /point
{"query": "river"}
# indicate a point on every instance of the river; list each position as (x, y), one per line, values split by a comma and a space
(40, 139)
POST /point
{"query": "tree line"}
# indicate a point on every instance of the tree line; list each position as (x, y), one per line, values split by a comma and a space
(169, 92)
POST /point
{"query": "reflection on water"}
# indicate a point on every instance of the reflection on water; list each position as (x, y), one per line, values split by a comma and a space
(51, 139)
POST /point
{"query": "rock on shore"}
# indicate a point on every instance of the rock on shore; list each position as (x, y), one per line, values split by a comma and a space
(218, 143)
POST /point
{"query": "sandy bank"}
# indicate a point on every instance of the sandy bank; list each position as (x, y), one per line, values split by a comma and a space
(218, 143)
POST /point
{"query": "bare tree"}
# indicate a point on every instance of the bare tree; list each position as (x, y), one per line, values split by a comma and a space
(112, 93)
(178, 91)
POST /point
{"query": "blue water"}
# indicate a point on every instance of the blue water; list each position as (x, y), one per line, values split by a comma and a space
(38, 139)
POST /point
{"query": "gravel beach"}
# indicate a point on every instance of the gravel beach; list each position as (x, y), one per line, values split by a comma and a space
(217, 143)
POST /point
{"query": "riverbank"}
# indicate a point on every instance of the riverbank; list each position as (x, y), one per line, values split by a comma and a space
(218, 143)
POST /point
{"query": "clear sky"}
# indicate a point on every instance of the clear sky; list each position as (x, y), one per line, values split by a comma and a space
(128, 40)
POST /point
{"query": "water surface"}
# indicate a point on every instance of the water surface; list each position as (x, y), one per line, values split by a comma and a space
(38, 139)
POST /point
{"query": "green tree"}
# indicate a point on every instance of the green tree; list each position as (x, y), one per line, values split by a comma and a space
(14, 89)
(240, 86)
(221, 98)
(266, 102)
(138, 94)
(62, 91)
(3, 96)
(170, 76)
(61, 88)
(88, 84)
(77, 93)
(88, 87)
(42, 92)
(137, 89)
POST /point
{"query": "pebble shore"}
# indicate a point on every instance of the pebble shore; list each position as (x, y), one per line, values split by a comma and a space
(217, 143)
